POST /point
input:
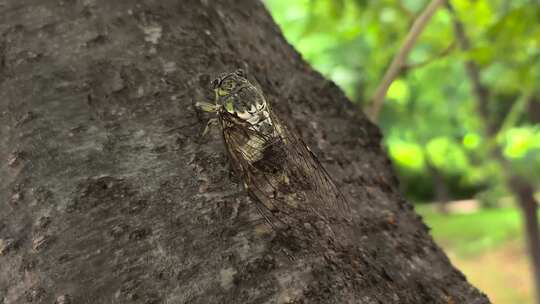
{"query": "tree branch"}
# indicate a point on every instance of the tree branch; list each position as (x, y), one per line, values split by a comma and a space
(402, 8)
(479, 90)
(400, 58)
(445, 52)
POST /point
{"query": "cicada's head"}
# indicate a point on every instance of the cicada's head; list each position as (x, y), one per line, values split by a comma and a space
(229, 83)
(237, 95)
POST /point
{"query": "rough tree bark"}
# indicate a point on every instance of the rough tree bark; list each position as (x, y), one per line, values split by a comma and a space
(109, 195)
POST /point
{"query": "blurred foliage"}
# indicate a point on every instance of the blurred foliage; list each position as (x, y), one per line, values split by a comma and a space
(473, 233)
(429, 117)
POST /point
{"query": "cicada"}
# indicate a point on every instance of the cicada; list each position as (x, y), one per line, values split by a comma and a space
(277, 168)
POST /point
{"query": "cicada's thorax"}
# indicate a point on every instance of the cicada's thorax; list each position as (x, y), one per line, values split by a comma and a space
(246, 114)
(250, 106)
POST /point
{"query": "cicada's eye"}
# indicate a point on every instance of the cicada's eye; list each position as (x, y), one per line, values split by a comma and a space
(215, 83)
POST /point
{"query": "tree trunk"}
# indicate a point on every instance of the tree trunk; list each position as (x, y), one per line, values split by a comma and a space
(442, 196)
(529, 210)
(109, 194)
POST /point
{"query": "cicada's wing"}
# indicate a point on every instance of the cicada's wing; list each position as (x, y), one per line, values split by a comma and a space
(247, 147)
(322, 194)
(283, 175)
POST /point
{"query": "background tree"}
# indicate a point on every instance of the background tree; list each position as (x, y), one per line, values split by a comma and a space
(110, 195)
(521, 187)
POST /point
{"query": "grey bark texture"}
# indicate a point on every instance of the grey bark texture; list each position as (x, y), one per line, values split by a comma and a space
(108, 193)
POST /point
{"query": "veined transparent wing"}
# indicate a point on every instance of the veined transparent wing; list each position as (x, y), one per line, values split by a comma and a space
(282, 174)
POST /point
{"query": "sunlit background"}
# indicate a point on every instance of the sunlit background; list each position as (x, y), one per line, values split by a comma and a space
(436, 136)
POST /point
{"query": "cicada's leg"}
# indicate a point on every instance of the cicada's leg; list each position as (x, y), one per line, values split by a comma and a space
(209, 124)
(207, 107)
(211, 108)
